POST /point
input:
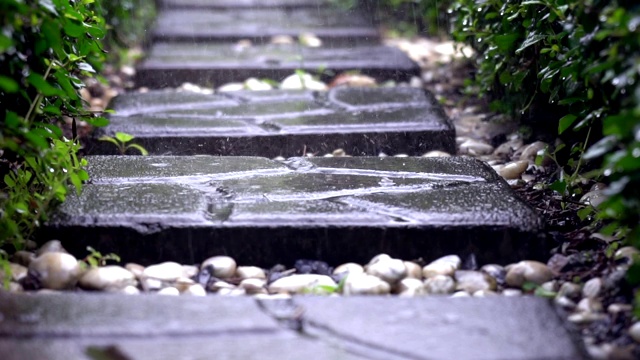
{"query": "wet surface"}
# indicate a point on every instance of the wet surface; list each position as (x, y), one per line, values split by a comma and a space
(263, 211)
(171, 64)
(331, 26)
(273, 123)
(86, 326)
(253, 4)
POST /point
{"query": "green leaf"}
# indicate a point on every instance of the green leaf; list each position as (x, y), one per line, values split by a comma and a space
(74, 30)
(9, 181)
(98, 121)
(86, 67)
(109, 139)
(532, 39)
(565, 122)
(559, 186)
(142, 150)
(506, 42)
(601, 147)
(124, 137)
(47, 4)
(8, 84)
(42, 85)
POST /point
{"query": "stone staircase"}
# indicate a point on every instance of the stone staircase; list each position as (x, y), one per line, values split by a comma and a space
(211, 187)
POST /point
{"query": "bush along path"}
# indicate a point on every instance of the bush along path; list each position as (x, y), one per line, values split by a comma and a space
(188, 221)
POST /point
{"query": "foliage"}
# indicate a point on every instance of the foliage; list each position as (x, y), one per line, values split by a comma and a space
(572, 66)
(46, 47)
(121, 142)
(96, 259)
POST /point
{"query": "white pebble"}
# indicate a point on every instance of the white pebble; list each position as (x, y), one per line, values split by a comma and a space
(171, 291)
(365, 284)
(350, 268)
(224, 267)
(166, 271)
(634, 331)
(54, 270)
(389, 270)
(300, 282)
(445, 265)
(250, 272)
(513, 170)
(527, 271)
(413, 270)
(592, 288)
(439, 284)
(409, 287)
(107, 277)
(436, 153)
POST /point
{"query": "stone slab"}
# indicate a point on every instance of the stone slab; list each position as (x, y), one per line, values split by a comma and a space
(362, 121)
(171, 64)
(99, 326)
(334, 27)
(262, 212)
(242, 4)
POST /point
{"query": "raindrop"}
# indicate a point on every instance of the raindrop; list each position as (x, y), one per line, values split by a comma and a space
(607, 172)
(636, 152)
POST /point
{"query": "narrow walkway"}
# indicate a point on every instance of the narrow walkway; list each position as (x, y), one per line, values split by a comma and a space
(212, 187)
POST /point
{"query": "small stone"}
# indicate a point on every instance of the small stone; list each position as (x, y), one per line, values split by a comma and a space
(439, 285)
(171, 291)
(413, 270)
(129, 290)
(365, 284)
(282, 40)
(254, 286)
(484, 293)
(15, 287)
(353, 80)
(550, 286)
(298, 283)
(182, 284)
(600, 351)
(338, 153)
(475, 147)
(389, 270)
(445, 265)
(18, 272)
(166, 271)
(472, 281)
(231, 87)
(528, 271)
(409, 287)
(589, 305)
(194, 290)
(458, 294)
(514, 169)
(107, 277)
(349, 268)
(592, 288)
(505, 150)
(634, 331)
(224, 267)
(250, 272)
(254, 84)
(511, 292)
(310, 40)
(136, 269)
(220, 285)
(401, 155)
(565, 302)
(231, 292)
(436, 153)
(189, 271)
(54, 270)
(495, 271)
(627, 254)
(617, 308)
(530, 152)
(302, 81)
(570, 290)
(51, 246)
(585, 317)
(594, 198)
(23, 258)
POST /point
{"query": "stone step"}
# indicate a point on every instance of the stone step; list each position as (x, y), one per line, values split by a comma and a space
(333, 27)
(172, 64)
(263, 212)
(242, 4)
(362, 121)
(87, 326)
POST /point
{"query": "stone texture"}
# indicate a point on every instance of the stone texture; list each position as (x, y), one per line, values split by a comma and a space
(282, 123)
(443, 328)
(170, 64)
(345, 28)
(262, 212)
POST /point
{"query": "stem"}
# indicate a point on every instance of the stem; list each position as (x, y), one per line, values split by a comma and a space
(584, 148)
(38, 99)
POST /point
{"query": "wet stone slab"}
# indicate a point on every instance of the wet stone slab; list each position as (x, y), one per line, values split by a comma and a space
(334, 27)
(88, 326)
(242, 4)
(149, 209)
(172, 64)
(362, 121)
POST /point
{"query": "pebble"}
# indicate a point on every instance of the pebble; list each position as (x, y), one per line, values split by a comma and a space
(627, 254)
(530, 152)
(387, 269)
(194, 290)
(55, 270)
(365, 284)
(231, 87)
(302, 81)
(220, 285)
(224, 267)
(436, 153)
(475, 147)
(166, 271)
(257, 85)
(439, 285)
(589, 305)
(570, 290)
(472, 281)
(349, 268)
(594, 198)
(617, 308)
(413, 270)
(513, 170)
(446, 265)
(171, 291)
(189, 271)
(527, 271)
(565, 302)
(107, 277)
(23, 258)
(18, 272)
(511, 292)
(634, 331)
(298, 283)
(592, 288)
(253, 286)
(484, 293)
(409, 287)
(585, 317)
(51, 246)
(495, 271)
(232, 292)
(460, 294)
(129, 290)
(250, 272)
